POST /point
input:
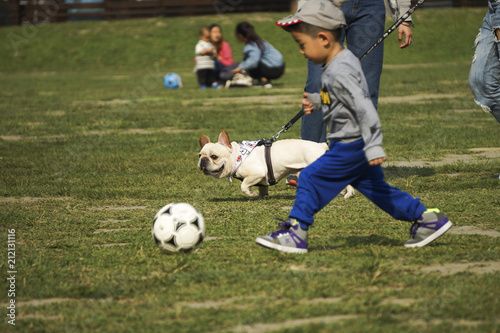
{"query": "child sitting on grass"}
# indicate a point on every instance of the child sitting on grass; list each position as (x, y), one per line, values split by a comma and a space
(356, 152)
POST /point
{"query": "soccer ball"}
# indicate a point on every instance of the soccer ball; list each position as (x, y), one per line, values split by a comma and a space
(172, 81)
(178, 227)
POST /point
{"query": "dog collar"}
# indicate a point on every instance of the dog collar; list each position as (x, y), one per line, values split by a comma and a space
(246, 147)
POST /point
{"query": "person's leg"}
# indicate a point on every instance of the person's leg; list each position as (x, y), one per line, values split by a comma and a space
(322, 181)
(254, 73)
(485, 68)
(271, 73)
(429, 224)
(313, 127)
(366, 24)
(202, 74)
(319, 183)
(395, 202)
(212, 78)
(218, 69)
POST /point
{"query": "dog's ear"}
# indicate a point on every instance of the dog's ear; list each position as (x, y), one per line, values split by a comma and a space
(224, 139)
(204, 140)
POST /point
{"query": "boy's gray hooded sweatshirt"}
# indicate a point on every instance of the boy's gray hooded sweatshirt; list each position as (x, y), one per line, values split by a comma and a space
(348, 111)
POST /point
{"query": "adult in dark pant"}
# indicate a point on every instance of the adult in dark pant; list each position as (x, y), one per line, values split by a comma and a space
(366, 24)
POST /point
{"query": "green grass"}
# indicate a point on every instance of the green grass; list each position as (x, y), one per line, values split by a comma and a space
(90, 140)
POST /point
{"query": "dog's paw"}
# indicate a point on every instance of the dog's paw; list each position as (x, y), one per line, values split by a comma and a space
(348, 192)
(252, 194)
(263, 191)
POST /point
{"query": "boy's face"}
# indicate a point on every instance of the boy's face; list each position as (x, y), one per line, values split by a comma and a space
(205, 35)
(315, 49)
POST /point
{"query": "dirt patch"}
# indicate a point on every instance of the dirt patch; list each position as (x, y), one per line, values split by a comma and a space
(46, 301)
(478, 154)
(119, 208)
(217, 304)
(140, 131)
(416, 98)
(469, 230)
(113, 221)
(206, 239)
(42, 137)
(453, 322)
(11, 137)
(471, 267)
(31, 199)
(399, 301)
(114, 102)
(260, 328)
(428, 65)
(250, 99)
(41, 317)
(241, 300)
(100, 231)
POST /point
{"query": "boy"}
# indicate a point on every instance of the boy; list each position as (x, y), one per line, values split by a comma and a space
(205, 64)
(356, 153)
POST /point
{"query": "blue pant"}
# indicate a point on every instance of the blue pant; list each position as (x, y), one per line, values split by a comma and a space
(485, 70)
(366, 24)
(344, 164)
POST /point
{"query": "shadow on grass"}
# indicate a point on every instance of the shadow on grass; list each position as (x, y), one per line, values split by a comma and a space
(354, 241)
(404, 172)
(360, 241)
(244, 199)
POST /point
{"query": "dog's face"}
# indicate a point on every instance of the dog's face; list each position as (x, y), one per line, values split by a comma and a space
(215, 158)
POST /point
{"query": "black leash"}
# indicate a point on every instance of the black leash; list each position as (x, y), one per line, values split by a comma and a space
(287, 126)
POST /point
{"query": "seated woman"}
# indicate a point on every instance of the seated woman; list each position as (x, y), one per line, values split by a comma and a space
(260, 59)
(224, 62)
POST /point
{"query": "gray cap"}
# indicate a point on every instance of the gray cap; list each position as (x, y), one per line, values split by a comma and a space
(320, 13)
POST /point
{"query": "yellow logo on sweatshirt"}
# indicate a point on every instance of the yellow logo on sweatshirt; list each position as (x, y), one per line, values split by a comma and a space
(325, 98)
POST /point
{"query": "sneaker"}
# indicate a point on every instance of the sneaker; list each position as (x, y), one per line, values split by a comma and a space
(289, 238)
(292, 180)
(263, 84)
(429, 227)
(215, 85)
(203, 86)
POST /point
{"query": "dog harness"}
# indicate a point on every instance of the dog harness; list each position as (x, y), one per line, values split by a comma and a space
(246, 148)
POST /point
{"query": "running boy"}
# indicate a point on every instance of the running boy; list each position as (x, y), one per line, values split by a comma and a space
(356, 152)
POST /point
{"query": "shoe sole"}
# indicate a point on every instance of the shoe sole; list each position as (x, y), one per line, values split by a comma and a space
(270, 245)
(432, 237)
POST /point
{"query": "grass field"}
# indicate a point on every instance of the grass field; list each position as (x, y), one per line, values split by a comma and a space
(92, 145)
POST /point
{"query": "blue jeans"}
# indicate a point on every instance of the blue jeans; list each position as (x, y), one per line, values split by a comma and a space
(485, 70)
(366, 23)
(343, 164)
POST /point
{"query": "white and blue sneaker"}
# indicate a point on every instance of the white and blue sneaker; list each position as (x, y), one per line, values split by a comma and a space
(429, 227)
(289, 238)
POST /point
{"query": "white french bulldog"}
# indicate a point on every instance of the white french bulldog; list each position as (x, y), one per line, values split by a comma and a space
(231, 159)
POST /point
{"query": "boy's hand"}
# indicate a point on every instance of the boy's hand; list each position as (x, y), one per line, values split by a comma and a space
(405, 30)
(377, 161)
(308, 107)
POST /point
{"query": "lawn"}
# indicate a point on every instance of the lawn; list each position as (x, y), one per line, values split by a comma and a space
(92, 146)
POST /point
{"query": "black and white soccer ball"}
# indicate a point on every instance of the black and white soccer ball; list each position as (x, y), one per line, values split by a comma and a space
(178, 227)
